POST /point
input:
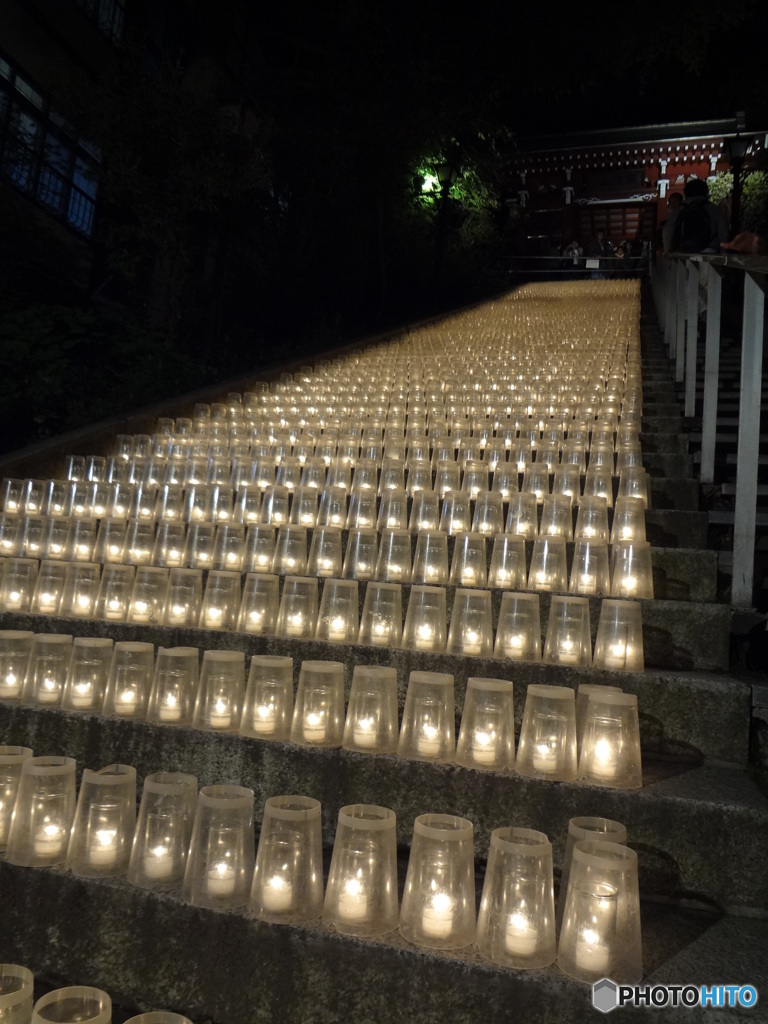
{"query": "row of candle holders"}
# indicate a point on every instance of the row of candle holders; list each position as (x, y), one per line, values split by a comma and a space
(439, 498)
(362, 552)
(595, 737)
(75, 1004)
(205, 842)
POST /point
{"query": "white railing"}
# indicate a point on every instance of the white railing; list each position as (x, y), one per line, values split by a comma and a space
(678, 284)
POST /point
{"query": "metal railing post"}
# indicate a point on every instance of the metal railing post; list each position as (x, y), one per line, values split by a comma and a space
(711, 374)
(749, 439)
(692, 335)
(680, 310)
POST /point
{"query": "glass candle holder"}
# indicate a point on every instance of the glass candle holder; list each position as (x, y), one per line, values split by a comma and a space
(518, 633)
(419, 476)
(259, 605)
(366, 475)
(610, 742)
(247, 507)
(34, 536)
(590, 572)
(361, 555)
(471, 629)
(221, 601)
(425, 512)
(489, 513)
(581, 828)
(619, 643)
(438, 909)
(298, 608)
(536, 480)
(475, 479)
(634, 483)
(325, 552)
(198, 551)
(120, 496)
(556, 517)
(113, 599)
(47, 669)
(456, 515)
(50, 536)
(314, 475)
(275, 505)
(333, 507)
(393, 563)
(304, 506)
(18, 577)
(371, 725)
(130, 680)
(425, 620)
(184, 597)
(599, 482)
(139, 542)
(77, 1003)
(16, 994)
(288, 879)
(49, 588)
(81, 540)
(33, 497)
(174, 686)
(290, 550)
(105, 821)
(361, 896)
(547, 747)
(628, 454)
(393, 511)
(11, 495)
(600, 936)
(170, 545)
(86, 680)
(632, 572)
(430, 561)
(505, 480)
(81, 588)
(288, 472)
(392, 477)
(592, 520)
(43, 812)
(15, 650)
(221, 852)
(170, 504)
(447, 475)
(220, 692)
(163, 830)
(469, 563)
(522, 518)
(428, 730)
(260, 543)
(150, 586)
(229, 547)
(516, 923)
(487, 733)
(10, 535)
(566, 482)
(158, 1017)
(548, 571)
(381, 622)
(11, 762)
(582, 703)
(110, 540)
(318, 714)
(337, 619)
(362, 509)
(508, 568)
(268, 706)
(569, 635)
(628, 521)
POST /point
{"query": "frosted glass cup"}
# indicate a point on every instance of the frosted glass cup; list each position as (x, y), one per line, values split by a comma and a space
(428, 730)
(288, 879)
(16, 994)
(268, 707)
(77, 1004)
(105, 821)
(371, 725)
(163, 830)
(221, 853)
(43, 812)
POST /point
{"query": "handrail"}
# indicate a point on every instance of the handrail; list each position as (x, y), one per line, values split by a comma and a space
(680, 283)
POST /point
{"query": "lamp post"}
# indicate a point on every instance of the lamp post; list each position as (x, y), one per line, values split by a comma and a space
(447, 173)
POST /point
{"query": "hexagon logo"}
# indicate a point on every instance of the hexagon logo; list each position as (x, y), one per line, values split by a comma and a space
(605, 995)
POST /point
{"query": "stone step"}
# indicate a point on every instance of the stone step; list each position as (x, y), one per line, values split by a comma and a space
(201, 961)
(669, 464)
(675, 493)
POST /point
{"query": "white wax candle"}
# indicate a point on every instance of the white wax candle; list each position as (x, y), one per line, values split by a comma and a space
(213, 617)
(338, 628)
(364, 733)
(169, 709)
(603, 761)
(221, 879)
(11, 684)
(315, 727)
(425, 637)
(264, 719)
(158, 863)
(437, 919)
(114, 609)
(221, 714)
(49, 840)
(428, 743)
(591, 954)
(617, 655)
(49, 692)
(103, 850)
(140, 611)
(277, 894)
(568, 653)
(353, 902)
(520, 938)
(471, 642)
(544, 758)
(125, 704)
(629, 583)
(483, 747)
(295, 624)
(82, 695)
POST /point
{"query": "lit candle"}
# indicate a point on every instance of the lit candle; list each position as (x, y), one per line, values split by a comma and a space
(315, 727)
(437, 920)
(13, 600)
(49, 691)
(49, 840)
(277, 894)
(221, 879)
(140, 610)
(627, 533)
(364, 733)
(617, 654)
(514, 645)
(170, 711)
(158, 862)
(11, 684)
(603, 761)
(520, 939)
(544, 758)
(295, 624)
(264, 719)
(82, 695)
(125, 704)
(425, 637)
(428, 743)
(221, 714)
(586, 583)
(471, 643)
(103, 849)
(213, 617)
(338, 628)
(569, 652)
(114, 608)
(48, 602)
(484, 746)
(82, 605)
(353, 902)
(629, 583)
(592, 954)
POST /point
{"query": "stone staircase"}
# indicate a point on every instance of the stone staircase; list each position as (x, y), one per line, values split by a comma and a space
(699, 824)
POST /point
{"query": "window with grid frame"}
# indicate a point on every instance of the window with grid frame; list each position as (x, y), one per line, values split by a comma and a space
(41, 157)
